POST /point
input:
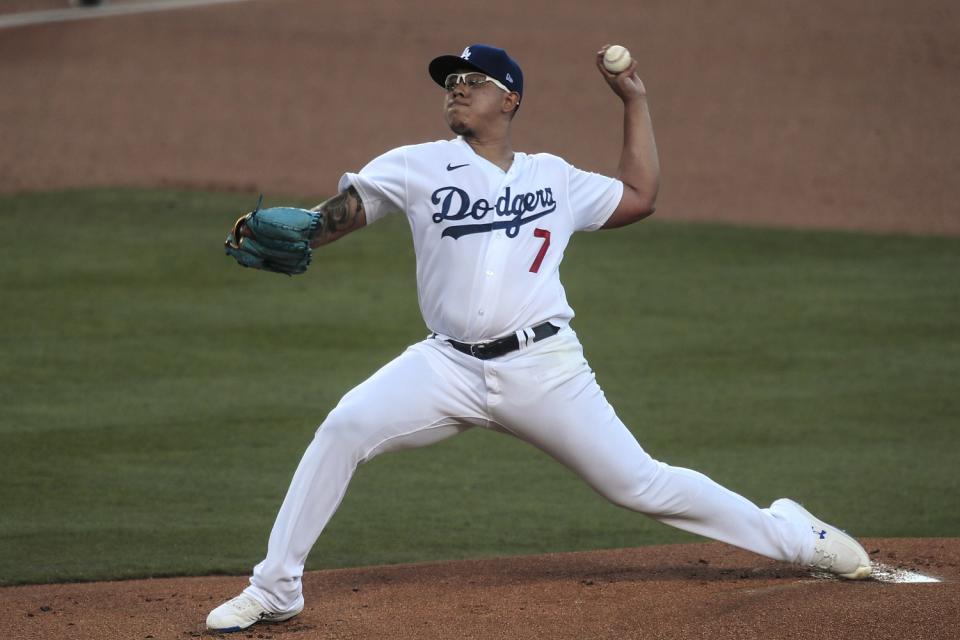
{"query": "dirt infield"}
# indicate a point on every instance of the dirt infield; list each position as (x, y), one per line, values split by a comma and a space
(678, 591)
(825, 114)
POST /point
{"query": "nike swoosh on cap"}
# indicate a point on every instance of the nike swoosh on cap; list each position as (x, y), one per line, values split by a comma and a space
(451, 167)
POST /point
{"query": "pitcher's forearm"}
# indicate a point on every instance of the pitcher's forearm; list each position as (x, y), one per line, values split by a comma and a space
(639, 163)
(342, 214)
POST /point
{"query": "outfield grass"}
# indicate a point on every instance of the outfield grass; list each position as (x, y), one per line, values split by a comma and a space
(155, 398)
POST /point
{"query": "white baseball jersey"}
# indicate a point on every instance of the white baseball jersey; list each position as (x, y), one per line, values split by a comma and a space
(488, 242)
(489, 245)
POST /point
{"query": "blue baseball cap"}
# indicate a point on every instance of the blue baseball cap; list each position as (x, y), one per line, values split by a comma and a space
(483, 58)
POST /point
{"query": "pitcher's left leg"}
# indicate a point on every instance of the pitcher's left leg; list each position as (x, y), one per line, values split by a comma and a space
(552, 400)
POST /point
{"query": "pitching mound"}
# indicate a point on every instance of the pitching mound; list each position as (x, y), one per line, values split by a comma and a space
(677, 591)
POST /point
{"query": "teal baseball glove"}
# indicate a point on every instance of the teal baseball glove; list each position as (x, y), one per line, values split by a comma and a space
(275, 239)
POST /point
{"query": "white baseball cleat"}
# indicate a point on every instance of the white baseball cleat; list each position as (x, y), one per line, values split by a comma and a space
(241, 612)
(833, 550)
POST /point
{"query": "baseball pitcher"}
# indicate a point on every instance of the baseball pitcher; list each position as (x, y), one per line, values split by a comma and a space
(490, 226)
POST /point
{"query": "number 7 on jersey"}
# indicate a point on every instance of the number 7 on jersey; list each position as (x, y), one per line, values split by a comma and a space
(540, 233)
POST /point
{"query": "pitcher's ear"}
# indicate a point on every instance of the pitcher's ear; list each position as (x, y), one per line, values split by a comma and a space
(511, 101)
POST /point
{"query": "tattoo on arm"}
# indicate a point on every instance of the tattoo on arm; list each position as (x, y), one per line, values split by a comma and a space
(341, 214)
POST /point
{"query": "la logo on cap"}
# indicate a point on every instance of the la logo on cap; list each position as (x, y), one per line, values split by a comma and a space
(466, 54)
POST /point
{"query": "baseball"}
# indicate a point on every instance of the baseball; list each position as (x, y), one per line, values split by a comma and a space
(616, 58)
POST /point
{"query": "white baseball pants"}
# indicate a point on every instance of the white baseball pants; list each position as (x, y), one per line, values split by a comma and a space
(544, 394)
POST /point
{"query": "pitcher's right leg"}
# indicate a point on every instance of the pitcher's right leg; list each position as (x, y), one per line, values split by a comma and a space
(419, 398)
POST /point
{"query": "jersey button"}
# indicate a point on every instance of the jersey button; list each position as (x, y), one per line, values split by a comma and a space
(489, 273)
(480, 313)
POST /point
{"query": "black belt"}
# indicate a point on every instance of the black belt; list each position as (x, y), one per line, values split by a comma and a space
(502, 346)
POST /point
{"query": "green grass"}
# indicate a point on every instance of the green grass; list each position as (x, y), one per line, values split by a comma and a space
(155, 398)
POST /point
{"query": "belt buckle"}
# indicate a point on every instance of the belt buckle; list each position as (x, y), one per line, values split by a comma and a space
(475, 350)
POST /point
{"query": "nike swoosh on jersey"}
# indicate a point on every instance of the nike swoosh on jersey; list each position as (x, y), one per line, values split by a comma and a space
(452, 167)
